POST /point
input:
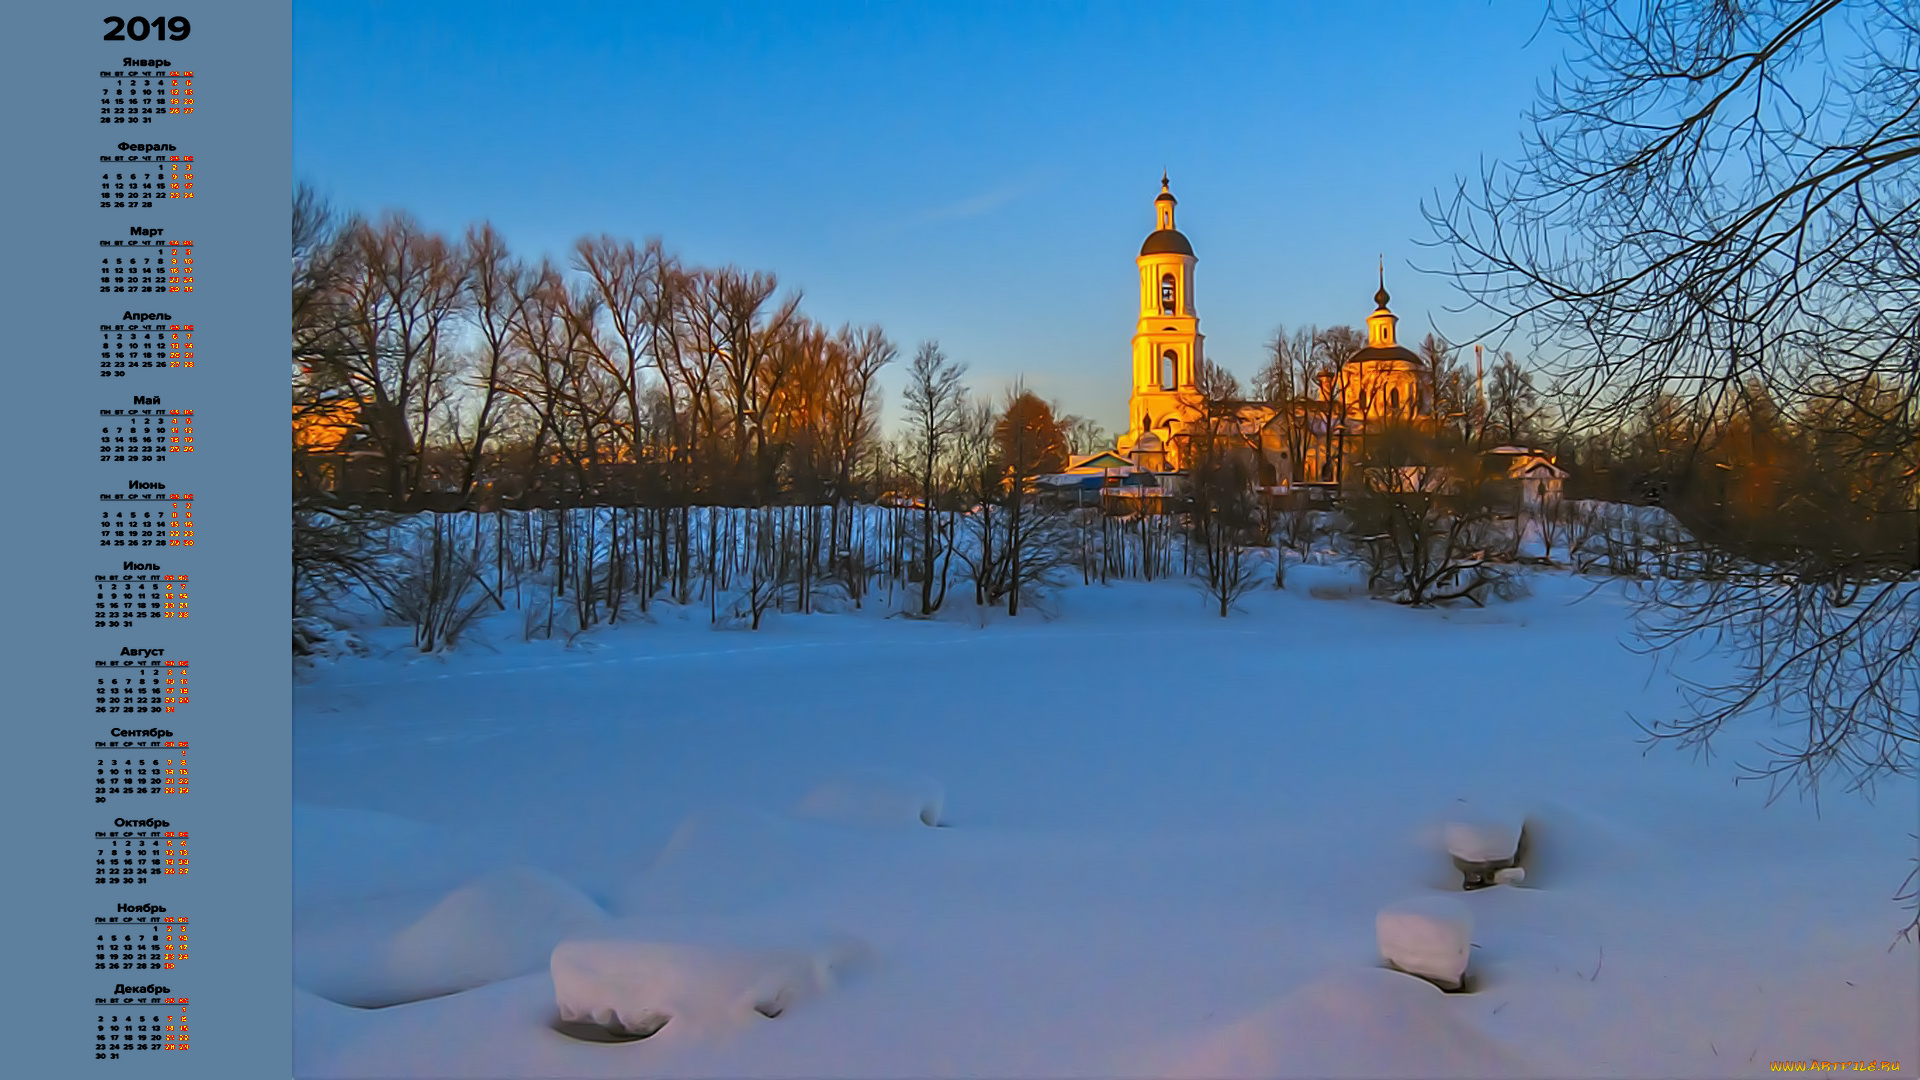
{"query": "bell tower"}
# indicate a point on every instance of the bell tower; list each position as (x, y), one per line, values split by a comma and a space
(1166, 340)
(1380, 324)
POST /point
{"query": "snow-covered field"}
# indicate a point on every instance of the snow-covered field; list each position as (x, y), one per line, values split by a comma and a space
(1162, 845)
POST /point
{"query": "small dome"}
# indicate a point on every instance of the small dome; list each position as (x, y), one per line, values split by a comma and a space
(1381, 297)
(1167, 242)
(1166, 194)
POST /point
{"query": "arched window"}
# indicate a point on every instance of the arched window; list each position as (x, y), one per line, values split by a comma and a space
(1166, 294)
(1169, 369)
(1393, 399)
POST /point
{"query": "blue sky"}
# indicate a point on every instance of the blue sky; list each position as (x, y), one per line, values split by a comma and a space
(980, 174)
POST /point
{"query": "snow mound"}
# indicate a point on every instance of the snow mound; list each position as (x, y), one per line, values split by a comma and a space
(500, 925)
(1427, 936)
(732, 858)
(876, 797)
(389, 950)
(637, 987)
(1364, 1023)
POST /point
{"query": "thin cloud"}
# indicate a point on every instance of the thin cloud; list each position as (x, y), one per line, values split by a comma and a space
(988, 201)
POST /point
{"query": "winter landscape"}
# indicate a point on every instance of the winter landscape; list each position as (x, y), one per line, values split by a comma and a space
(1491, 648)
(1148, 855)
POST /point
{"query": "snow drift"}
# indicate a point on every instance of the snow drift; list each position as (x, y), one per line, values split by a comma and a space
(503, 924)
(1358, 1023)
(876, 797)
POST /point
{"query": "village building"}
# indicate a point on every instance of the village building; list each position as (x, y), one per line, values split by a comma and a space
(1526, 476)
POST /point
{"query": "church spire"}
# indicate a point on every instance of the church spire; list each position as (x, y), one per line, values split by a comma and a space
(1163, 206)
(1380, 323)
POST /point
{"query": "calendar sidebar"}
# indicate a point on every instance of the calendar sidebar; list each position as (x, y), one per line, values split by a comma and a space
(155, 812)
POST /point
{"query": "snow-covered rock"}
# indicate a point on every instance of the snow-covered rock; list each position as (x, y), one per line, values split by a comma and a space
(502, 924)
(1428, 936)
(876, 797)
(1512, 875)
(1482, 841)
(638, 987)
(1360, 1023)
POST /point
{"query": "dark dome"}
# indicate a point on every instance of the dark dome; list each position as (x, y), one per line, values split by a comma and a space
(1376, 354)
(1167, 242)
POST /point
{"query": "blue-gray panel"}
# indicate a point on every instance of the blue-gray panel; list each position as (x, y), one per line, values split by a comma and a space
(80, 136)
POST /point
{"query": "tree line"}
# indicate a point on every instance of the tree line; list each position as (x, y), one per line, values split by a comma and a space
(466, 375)
(438, 375)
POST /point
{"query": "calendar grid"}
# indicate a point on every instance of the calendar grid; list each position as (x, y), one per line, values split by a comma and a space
(136, 97)
(140, 942)
(132, 856)
(145, 435)
(143, 181)
(140, 687)
(162, 775)
(150, 265)
(121, 600)
(146, 519)
(156, 1023)
(144, 346)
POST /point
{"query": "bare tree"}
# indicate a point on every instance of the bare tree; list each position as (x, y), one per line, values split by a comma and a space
(1717, 197)
(1221, 514)
(1030, 444)
(1084, 435)
(334, 538)
(1296, 373)
(982, 480)
(494, 285)
(405, 289)
(1450, 392)
(1513, 405)
(629, 284)
(1423, 517)
(1335, 345)
(936, 399)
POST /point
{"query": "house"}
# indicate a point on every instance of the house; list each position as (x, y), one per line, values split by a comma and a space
(1530, 476)
(1097, 476)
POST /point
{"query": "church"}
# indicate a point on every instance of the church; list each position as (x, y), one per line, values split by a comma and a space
(1379, 384)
